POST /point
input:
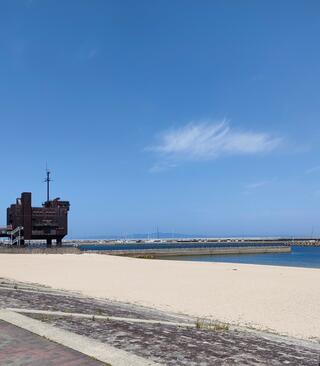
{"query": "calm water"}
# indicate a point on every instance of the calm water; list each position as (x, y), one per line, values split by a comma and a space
(299, 257)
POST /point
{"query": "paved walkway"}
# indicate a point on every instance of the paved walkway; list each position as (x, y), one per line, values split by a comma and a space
(19, 347)
(126, 335)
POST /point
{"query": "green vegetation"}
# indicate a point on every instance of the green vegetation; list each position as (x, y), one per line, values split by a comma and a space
(204, 324)
(145, 256)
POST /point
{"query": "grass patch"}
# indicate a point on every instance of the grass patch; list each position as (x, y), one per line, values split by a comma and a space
(145, 256)
(204, 324)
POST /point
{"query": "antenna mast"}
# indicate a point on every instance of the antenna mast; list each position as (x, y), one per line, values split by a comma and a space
(48, 180)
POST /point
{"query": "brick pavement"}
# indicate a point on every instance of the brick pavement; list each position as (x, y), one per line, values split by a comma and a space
(19, 347)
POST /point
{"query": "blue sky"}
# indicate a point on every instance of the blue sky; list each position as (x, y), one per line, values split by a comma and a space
(193, 116)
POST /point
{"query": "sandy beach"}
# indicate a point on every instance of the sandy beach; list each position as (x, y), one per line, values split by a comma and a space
(280, 299)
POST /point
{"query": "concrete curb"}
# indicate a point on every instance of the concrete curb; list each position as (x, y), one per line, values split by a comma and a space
(54, 293)
(102, 317)
(100, 351)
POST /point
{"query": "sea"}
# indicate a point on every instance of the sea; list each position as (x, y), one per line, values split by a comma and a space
(308, 257)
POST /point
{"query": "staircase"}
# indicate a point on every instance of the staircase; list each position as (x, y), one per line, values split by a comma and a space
(17, 236)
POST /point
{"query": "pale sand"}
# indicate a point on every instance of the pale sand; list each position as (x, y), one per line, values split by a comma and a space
(281, 299)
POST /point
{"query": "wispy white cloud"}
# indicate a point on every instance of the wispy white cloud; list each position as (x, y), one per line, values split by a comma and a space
(313, 169)
(161, 166)
(88, 51)
(29, 3)
(256, 185)
(208, 140)
(93, 52)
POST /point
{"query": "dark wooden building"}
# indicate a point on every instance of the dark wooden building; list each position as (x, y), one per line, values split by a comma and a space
(49, 222)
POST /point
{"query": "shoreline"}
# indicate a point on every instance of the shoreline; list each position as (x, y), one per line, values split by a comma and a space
(282, 300)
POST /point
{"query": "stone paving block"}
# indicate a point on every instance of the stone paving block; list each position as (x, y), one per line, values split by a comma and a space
(19, 347)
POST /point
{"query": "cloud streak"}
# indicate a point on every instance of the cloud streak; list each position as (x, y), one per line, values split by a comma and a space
(209, 140)
(314, 169)
(256, 185)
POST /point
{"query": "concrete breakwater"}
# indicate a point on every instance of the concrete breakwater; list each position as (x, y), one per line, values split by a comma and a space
(172, 252)
(155, 250)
